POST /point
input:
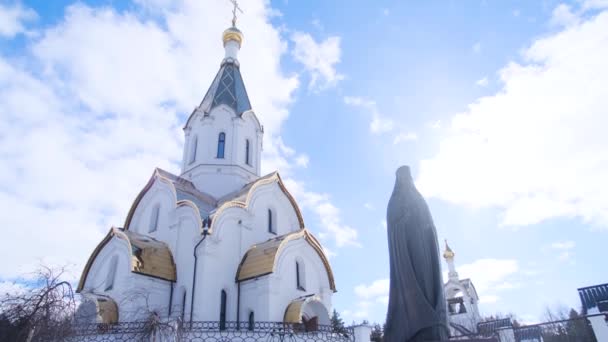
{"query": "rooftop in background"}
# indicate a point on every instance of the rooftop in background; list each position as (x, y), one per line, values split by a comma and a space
(595, 296)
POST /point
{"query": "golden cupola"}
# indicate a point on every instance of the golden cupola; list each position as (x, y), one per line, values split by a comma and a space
(232, 34)
(448, 253)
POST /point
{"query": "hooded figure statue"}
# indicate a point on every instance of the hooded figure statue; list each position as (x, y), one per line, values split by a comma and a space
(417, 308)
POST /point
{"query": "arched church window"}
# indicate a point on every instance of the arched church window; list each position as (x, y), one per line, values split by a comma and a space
(300, 276)
(247, 153)
(271, 223)
(251, 321)
(223, 311)
(193, 150)
(221, 145)
(111, 276)
(154, 218)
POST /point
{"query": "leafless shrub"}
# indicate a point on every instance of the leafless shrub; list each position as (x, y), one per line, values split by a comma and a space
(41, 312)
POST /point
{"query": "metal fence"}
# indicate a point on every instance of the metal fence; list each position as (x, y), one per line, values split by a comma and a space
(207, 331)
(570, 330)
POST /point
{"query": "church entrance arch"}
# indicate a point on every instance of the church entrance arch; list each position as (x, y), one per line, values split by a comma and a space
(307, 313)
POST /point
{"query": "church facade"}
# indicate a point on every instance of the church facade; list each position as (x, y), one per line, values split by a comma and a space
(462, 299)
(218, 242)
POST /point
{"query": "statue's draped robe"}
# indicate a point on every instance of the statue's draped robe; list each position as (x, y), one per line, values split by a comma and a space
(417, 308)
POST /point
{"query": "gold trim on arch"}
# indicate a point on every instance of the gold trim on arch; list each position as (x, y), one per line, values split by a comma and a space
(268, 179)
(157, 175)
(260, 259)
(148, 256)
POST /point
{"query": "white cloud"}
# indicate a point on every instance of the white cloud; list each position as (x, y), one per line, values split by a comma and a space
(370, 295)
(83, 136)
(403, 137)
(488, 299)
(564, 249)
(537, 148)
(482, 82)
(379, 123)
(368, 206)
(12, 19)
(11, 288)
(594, 4)
(328, 215)
(302, 160)
(563, 245)
(477, 47)
(378, 288)
(384, 224)
(319, 59)
(563, 16)
(435, 124)
(489, 276)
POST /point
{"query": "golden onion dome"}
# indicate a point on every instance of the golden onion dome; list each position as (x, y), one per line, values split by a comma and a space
(448, 254)
(232, 33)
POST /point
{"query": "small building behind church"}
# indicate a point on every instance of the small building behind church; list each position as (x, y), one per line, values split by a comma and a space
(218, 241)
(462, 298)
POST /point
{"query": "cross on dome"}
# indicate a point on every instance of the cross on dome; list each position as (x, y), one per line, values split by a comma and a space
(234, 9)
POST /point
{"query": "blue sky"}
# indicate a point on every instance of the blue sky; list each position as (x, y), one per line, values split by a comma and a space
(498, 107)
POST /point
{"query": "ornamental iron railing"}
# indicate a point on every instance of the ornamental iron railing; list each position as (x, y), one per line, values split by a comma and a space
(207, 332)
(576, 329)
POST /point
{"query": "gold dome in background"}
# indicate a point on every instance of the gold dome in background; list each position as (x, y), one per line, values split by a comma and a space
(448, 254)
(232, 33)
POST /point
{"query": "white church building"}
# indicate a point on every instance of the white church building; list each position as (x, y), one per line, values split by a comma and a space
(462, 299)
(218, 242)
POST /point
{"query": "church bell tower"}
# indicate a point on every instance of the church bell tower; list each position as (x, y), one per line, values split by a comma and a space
(223, 137)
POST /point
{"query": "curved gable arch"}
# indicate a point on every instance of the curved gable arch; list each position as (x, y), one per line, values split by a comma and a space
(156, 176)
(184, 203)
(243, 199)
(262, 259)
(251, 115)
(147, 256)
(452, 287)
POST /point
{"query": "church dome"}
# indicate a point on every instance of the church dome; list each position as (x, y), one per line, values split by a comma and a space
(448, 254)
(232, 33)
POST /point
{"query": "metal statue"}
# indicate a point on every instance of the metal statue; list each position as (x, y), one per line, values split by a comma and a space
(417, 307)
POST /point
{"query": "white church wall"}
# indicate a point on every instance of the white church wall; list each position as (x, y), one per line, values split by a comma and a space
(96, 281)
(136, 295)
(184, 237)
(161, 195)
(235, 231)
(283, 281)
(217, 264)
(285, 219)
(255, 296)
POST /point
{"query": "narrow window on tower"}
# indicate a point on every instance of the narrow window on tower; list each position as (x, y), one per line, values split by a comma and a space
(111, 274)
(271, 224)
(154, 218)
(300, 282)
(223, 311)
(221, 144)
(193, 150)
(247, 160)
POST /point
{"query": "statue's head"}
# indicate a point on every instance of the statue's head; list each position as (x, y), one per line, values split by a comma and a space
(404, 176)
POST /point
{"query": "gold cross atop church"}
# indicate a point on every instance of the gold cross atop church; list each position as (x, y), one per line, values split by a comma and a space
(236, 7)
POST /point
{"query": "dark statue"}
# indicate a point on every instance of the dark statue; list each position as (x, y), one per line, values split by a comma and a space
(417, 306)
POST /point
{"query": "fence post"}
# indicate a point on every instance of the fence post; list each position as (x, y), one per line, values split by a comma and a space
(600, 329)
(506, 334)
(363, 333)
